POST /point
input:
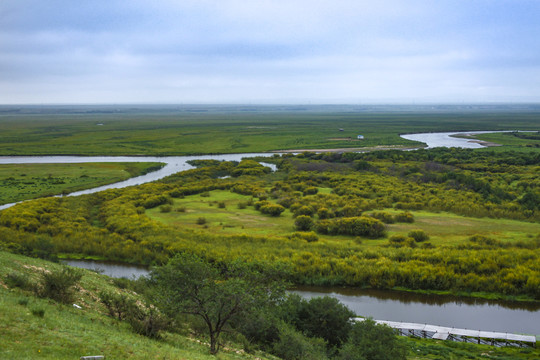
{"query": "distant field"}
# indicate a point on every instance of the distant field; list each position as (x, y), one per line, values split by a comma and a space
(234, 130)
(29, 181)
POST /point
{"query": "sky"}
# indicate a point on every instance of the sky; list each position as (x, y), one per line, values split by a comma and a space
(264, 51)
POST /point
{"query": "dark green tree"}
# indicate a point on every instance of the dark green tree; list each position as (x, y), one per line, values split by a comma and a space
(370, 341)
(191, 285)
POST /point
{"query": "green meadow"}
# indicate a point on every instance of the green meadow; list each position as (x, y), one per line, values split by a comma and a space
(235, 130)
(30, 181)
(222, 214)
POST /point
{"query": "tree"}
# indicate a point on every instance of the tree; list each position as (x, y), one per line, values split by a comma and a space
(191, 285)
(370, 341)
(323, 317)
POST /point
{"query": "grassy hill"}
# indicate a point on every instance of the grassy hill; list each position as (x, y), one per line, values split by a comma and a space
(65, 332)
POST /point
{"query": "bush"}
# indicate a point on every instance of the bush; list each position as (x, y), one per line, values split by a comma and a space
(165, 208)
(385, 217)
(147, 321)
(293, 345)
(368, 340)
(221, 205)
(404, 217)
(324, 213)
(418, 235)
(38, 312)
(311, 190)
(259, 204)
(272, 209)
(323, 317)
(242, 205)
(308, 236)
(304, 210)
(201, 221)
(303, 223)
(180, 209)
(397, 239)
(59, 284)
(118, 305)
(15, 279)
(23, 301)
(355, 226)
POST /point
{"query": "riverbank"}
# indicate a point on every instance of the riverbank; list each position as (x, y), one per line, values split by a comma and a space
(66, 332)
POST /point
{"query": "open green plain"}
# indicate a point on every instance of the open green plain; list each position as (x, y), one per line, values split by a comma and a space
(209, 130)
(29, 181)
(443, 228)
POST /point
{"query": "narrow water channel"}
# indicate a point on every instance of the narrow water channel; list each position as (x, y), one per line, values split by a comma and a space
(450, 311)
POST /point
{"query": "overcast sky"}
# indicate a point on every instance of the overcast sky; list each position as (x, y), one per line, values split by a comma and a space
(262, 51)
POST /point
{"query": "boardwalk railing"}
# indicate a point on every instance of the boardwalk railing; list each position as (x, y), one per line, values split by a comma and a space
(455, 334)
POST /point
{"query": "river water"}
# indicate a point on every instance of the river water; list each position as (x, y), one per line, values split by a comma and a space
(448, 139)
(449, 311)
(381, 305)
(173, 164)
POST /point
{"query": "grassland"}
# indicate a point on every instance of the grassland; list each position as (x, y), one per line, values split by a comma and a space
(29, 181)
(235, 130)
(444, 228)
(65, 332)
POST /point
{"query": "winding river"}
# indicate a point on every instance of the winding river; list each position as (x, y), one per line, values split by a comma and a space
(381, 305)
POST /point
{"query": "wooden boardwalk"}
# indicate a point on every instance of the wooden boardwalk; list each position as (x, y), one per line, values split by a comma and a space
(455, 334)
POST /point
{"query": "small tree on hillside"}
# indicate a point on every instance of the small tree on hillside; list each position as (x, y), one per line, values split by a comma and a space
(191, 285)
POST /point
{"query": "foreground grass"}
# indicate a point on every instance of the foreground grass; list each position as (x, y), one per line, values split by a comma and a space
(65, 332)
(30, 181)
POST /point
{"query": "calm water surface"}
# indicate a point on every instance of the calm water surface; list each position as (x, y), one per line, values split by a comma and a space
(447, 139)
(173, 164)
(450, 311)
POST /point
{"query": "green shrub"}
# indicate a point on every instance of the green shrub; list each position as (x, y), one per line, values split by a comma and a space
(418, 235)
(59, 284)
(385, 217)
(221, 205)
(242, 205)
(308, 236)
(38, 312)
(272, 209)
(23, 301)
(180, 209)
(404, 217)
(368, 340)
(201, 220)
(304, 210)
(119, 306)
(165, 208)
(293, 345)
(311, 190)
(15, 279)
(303, 223)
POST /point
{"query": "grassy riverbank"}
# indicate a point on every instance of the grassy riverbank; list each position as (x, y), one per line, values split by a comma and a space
(29, 181)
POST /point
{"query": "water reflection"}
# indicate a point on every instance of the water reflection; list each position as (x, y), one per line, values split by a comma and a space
(450, 311)
(112, 269)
